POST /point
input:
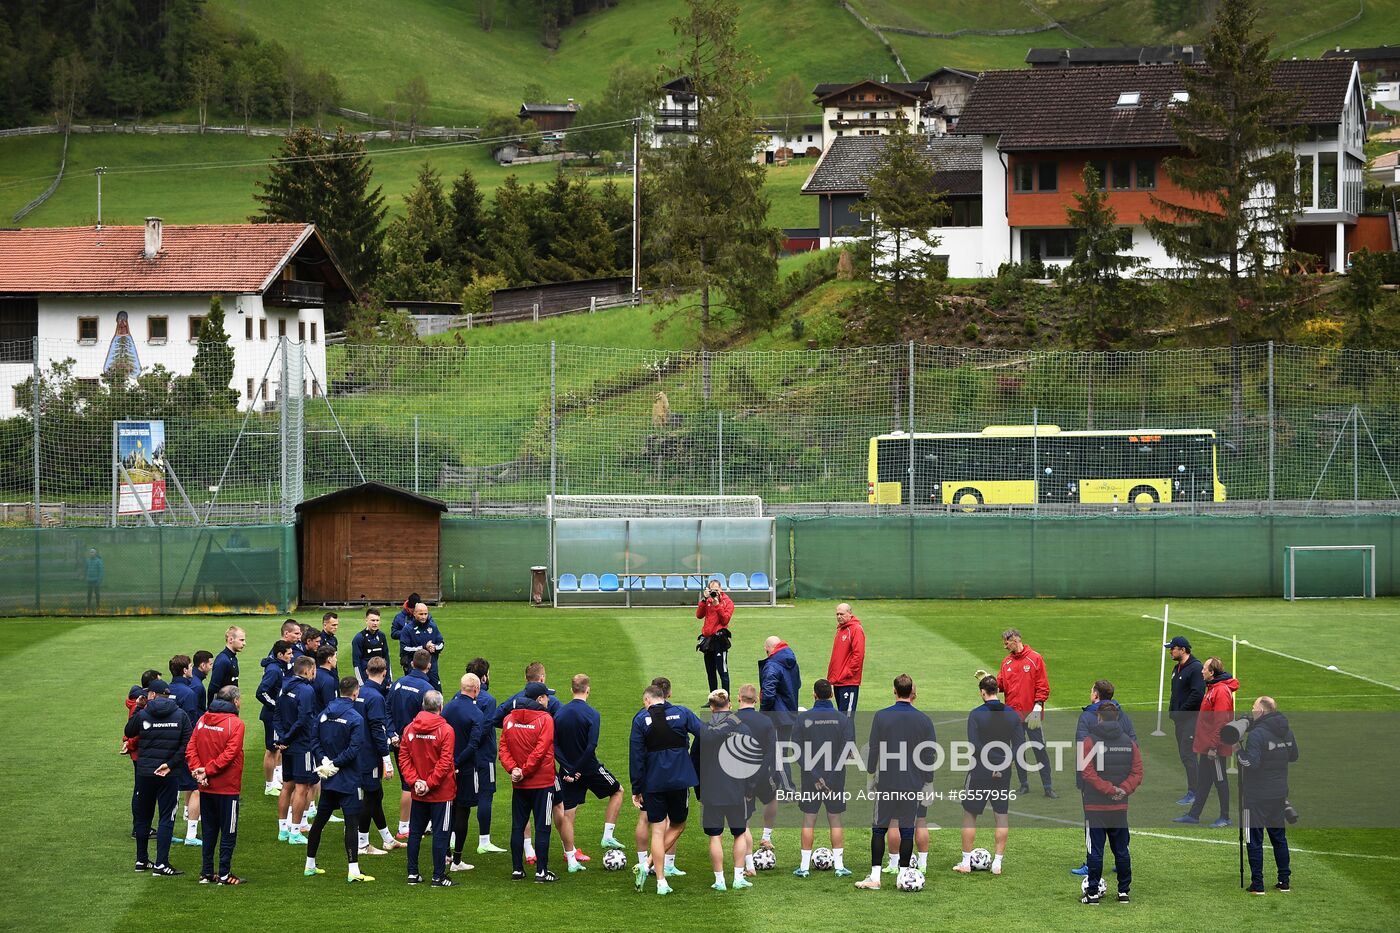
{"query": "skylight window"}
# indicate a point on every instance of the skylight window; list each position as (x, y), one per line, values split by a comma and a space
(1180, 97)
(1129, 98)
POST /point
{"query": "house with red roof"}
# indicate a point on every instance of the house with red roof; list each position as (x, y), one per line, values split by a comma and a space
(136, 297)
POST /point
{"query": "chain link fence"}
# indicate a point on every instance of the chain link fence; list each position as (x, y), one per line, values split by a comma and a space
(493, 430)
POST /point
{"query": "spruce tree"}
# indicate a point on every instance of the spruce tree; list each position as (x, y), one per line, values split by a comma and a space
(1094, 274)
(417, 247)
(213, 360)
(468, 229)
(512, 252)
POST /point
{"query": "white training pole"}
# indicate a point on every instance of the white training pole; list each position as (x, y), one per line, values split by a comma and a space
(1234, 669)
(1162, 671)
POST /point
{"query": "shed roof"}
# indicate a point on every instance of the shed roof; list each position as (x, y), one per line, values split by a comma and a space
(372, 486)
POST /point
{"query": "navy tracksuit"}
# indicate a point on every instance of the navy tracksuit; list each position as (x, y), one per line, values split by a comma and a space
(340, 736)
(760, 726)
(469, 729)
(417, 636)
(224, 673)
(296, 721)
(364, 646)
(406, 699)
(1270, 748)
(328, 639)
(894, 732)
(164, 732)
(274, 672)
(659, 763)
(780, 684)
(373, 707)
(327, 687)
(486, 763)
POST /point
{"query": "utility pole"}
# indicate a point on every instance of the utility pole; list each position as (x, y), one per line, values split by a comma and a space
(636, 204)
(99, 172)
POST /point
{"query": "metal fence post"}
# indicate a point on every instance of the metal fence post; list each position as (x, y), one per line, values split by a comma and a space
(1035, 460)
(1271, 424)
(37, 403)
(415, 453)
(910, 405)
(553, 423)
(721, 451)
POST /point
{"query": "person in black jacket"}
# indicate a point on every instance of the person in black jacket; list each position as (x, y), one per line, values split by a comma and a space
(164, 732)
(1269, 749)
(1188, 690)
(723, 795)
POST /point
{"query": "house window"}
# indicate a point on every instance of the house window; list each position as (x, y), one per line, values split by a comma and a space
(247, 328)
(315, 389)
(250, 388)
(19, 325)
(1100, 168)
(157, 329)
(1146, 174)
(196, 326)
(301, 331)
(1305, 181)
(1025, 176)
(1048, 244)
(262, 328)
(87, 330)
(1048, 176)
(281, 327)
(313, 331)
(962, 212)
(264, 390)
(1129, 99)
(1122, 174)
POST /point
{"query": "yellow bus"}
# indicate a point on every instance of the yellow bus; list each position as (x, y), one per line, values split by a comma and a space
(1020, 465)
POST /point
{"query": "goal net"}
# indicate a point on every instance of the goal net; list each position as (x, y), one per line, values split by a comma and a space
(1336, 571)
(655, 507)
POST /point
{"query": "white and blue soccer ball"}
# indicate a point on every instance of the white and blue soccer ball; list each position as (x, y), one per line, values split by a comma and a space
(823, 859)
(614, 860)
(980, 860)
(910, 879)
(1084, 886)
(765, 860)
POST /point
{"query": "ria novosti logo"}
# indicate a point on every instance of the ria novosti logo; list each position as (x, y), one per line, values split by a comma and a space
(740, 756)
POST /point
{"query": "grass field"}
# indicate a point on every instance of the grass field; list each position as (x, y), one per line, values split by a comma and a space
(77, 844)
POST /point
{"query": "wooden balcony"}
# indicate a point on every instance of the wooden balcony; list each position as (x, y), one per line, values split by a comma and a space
(291, 293)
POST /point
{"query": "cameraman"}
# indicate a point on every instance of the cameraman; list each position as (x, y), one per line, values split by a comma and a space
(716, 608)
(1269, 749)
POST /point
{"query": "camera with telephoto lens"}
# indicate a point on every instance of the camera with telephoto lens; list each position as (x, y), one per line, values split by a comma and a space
(1233, 733)
(1290, 812)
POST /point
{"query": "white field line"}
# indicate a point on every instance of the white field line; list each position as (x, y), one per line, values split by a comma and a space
(1213, 842)
(1291, 657)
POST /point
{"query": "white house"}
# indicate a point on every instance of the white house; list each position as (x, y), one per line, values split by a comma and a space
(140, 294)
(676, 115)
(872, 108)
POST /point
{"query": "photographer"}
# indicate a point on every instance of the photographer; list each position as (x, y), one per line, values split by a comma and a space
(1269, 749)
(716, 609)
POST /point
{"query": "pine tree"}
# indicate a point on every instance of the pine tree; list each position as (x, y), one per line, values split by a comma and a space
(417, 248)
(468, 233)
(213, 360)
(512, 252)
(711, 231)
(1094, 273)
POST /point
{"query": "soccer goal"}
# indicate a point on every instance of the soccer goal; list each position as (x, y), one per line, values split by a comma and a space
(626, 551)
(1331, 571)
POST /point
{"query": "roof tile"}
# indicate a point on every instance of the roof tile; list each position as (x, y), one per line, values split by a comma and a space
(849, 161)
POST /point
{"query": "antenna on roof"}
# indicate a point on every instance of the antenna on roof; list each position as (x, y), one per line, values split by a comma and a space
(99, 172)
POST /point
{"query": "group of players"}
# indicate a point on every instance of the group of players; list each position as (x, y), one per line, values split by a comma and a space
(331, 742)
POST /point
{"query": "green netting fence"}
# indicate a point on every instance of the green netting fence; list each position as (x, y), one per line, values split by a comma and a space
(148, 571)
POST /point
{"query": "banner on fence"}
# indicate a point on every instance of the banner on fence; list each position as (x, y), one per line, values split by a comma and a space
(139, 449)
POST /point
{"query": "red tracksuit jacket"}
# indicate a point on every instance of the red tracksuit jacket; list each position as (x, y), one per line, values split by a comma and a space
(527, 743)
(716, 617)
(216, 745)
(1217, 709)
(1022, 679)
(425, 754)
(847, 655)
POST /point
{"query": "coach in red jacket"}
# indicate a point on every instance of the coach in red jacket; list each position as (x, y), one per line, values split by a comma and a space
(716, 609)
(847, 659)
(427, 766)
(1217, 708)
(527, 752)
(215, 759)
(1022, 680)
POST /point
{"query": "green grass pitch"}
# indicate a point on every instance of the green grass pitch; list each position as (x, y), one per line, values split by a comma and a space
(67, 791)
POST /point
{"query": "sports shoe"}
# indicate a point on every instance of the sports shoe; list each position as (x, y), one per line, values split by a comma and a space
(1089, 899)
(177, 840)
(580, 856)
(165, 871)
(530, 860)
(765, 843)
(354, 879)
(313, 872)
(1259, 890)
(610, 843)
(1023, 789)
(195, 841)
(843, 873)
(272, 790)
(996, 867)
(639, 876)
(517, 876)
(719, 886)
(311, 813)
(962, 869)
(1081, 871)
(741, 884)
(460, 866)
(336, 819)
(296, 839)
(415, 879)
(1187, 818)
(231, 879)
(490, 849)
(401, 835)
(1222, 823)
(545, 877)
(868, 884)
(663, 889)
(372, 850)
(797, 872)
(444, 882)
(1283, 887)
(672, 871)
(394, 844)
(1050, 792)
(206, 879)
(144, 866)
(890, 869)
(282, 835)
(1123, 897)
(1187, 800)
(575, 867)
(750, 873)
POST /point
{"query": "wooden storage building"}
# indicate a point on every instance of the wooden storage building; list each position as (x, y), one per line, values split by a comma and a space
(371, 543)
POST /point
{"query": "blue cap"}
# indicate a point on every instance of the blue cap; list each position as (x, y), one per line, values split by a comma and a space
(158, 687)
(1178, 642)
(535, 691)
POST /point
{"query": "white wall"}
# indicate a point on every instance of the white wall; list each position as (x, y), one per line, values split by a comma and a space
(58, 338)
(994, 248)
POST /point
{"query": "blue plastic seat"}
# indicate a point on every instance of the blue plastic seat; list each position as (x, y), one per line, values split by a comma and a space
(631, 582)
(758, 580)
(654, 582)
(694, 581)
(737, 581)
(675, 581)
(716, 576)
(588, 582)
(608, 583)
(568, 583)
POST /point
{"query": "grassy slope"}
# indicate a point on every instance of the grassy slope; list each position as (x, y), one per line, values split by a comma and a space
(938, 643)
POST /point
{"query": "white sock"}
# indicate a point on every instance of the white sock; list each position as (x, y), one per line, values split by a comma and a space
(840, 855)
(641, 858)
(767, 834)
(364, 840)
(284, 826)
(187, 813)
(670, 861)
(719, 877)
(966, 860)
(996, 860)
(894, 859)
(529, 849)
(875, 873)
(921, 861)
(267, 785)
(387, 836)
(192, 830)
(608, 830)
(738, 874)
(310, 863)
(403, 826)
(806, 859)
(571, 856)
(748, 862)
(354, 869)
(277, 775)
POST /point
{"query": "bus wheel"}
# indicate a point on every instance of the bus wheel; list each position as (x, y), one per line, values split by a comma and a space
(967, 497)
(1144, 497)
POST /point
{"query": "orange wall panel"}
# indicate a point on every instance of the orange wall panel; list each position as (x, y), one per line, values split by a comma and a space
(1372, 231)
(1047, 209)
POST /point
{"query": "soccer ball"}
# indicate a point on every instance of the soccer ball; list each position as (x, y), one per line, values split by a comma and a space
(1084, 886)
(910, 879)
(823, 859)
(765, 860)
(981, 860)
(614, 860)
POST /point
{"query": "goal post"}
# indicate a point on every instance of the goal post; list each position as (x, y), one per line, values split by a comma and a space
(1329, 571)
(655, 507)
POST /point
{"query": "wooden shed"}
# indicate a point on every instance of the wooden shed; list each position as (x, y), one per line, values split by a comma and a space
(370, 543)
